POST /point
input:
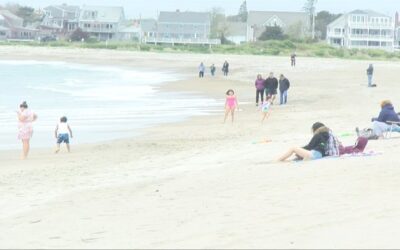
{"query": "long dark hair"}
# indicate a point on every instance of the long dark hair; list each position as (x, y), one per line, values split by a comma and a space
(316, 126)
(24, 105)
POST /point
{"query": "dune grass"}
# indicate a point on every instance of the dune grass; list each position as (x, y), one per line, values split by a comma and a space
(273, 48)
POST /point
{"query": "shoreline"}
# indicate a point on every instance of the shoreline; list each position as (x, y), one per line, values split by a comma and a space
(202, 184)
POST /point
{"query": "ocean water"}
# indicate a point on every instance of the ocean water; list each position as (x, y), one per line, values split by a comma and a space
(101, 103)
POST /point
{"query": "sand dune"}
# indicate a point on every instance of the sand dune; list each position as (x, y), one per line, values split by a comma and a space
(202, 184)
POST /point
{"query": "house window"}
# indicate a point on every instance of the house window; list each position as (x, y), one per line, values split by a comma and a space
(354, 19)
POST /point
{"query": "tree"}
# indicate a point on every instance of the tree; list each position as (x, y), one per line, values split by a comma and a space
(243, 14)
(295, 31)
(310, 7)
(78, 35)
(272, 33)
(322, 20)
(27, 13)
(217, 20)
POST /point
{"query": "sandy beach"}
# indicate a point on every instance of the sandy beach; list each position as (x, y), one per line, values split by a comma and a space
(204, 184)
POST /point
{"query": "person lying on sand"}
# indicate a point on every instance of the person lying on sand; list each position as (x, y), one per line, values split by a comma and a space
(316, 149)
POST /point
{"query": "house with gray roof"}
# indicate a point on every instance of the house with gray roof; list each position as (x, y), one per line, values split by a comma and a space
(183, 27)
(12, 27)
(258, 21)
(362, 29)
(102, 22)
(60, 19)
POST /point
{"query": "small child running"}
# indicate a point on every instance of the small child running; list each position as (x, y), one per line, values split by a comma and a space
(265, 109)
(231, 104)
(62, 133)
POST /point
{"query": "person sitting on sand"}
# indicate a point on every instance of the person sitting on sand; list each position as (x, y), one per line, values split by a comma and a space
(62, 133)
(26, 118)
(231, 104)
(316, 149)
(386, 118)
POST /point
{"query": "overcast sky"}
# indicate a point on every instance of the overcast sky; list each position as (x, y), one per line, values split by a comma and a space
(150, 8)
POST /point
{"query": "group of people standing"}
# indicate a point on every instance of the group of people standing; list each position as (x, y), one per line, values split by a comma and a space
(267, 89)
(213, 69)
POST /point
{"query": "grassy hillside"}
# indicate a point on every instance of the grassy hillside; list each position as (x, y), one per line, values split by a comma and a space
(276, 48)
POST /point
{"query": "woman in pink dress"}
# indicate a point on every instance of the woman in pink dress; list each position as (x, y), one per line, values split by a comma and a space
(231, 104)
(25, 127)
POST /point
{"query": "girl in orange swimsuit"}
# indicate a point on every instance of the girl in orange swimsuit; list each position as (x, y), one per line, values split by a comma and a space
(231, 104)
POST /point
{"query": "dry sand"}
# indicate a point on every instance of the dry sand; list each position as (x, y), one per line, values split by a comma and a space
(202, 184)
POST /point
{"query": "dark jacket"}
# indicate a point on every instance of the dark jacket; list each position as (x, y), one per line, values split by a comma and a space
(284, 85)
(370, 71)
(387, 114)
(319, 141)
(271, 83)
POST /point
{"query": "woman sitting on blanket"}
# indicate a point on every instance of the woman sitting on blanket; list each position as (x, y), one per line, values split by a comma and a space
(316, 149)
(387, 116)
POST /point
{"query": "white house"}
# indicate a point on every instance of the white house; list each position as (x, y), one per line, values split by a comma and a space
(362, 29)
(257, 21)
(102, 22)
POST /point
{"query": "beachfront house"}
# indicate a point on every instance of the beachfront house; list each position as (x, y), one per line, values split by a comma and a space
(60, 19)
(148, 28)
(397, 31)
(183, 27)
(12, 27)
(235, 32)
(130, 31)
(101, 22)
(362, 29)
(295, 23)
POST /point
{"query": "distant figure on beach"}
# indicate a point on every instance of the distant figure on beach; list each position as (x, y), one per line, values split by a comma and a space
(387, 120)
(271, 87)
(265, 110)
(370, 74)
(225, 68)
(293, 59)
(202, 69)
(260, 89)
(213, 69)
(26, 118)
(316, 149)
(284, 86)
(62, 133)
(231, 104)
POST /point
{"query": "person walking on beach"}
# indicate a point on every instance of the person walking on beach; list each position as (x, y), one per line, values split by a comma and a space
(260, 89)
(213, 69)
(265, 110)
(284, 86)
(370, 74)
(293, 59)
(63, 132)
(202, 69)
(225, 68)
(271, 85)
(26, 118)
(231, 104)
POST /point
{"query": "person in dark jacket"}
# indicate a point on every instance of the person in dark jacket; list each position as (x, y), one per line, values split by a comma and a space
(386, 120)
(271, 86)
(316, 148)
(225, 68)
(284, 86)
(370, 74)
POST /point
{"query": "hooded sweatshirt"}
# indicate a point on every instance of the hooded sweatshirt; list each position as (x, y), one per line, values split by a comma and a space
(260, 84)
(319, 141)
(387, 114)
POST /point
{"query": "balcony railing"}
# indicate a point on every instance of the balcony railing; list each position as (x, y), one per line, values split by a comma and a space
(183, 40)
